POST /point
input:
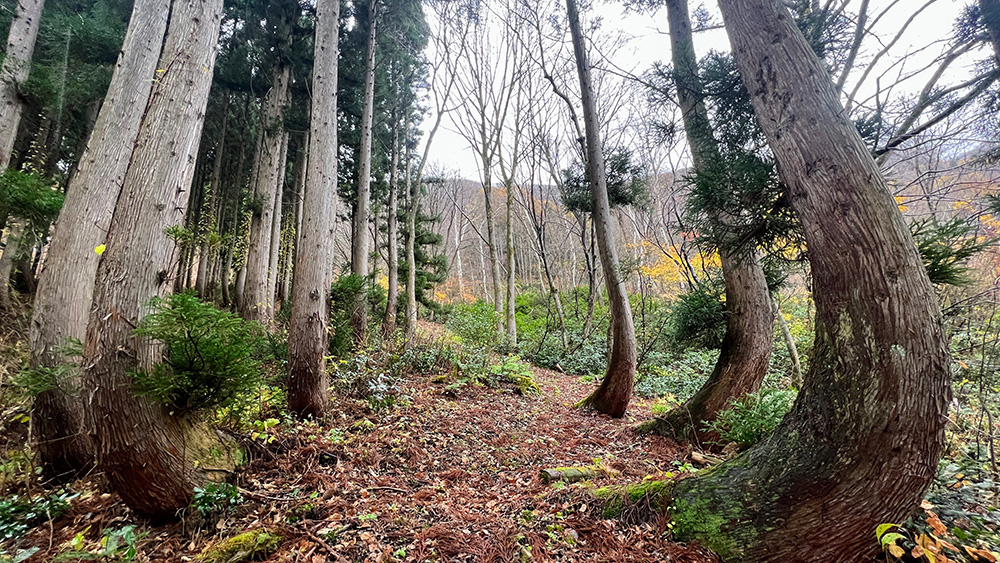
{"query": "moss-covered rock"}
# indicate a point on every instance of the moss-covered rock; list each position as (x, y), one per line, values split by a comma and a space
(618, 499)
(248, 546)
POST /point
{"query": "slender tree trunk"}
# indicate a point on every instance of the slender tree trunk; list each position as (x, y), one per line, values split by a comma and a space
(142, 449)
(257, 299)
(615, 392)
(66, 283)
(412, 191)
(215, 201)
(511, 270)
(793, 351)
(392, 294)
(273, 264)
(861, 445)
(746, 347)
(313, 273)
(11, 249)
(491, 244)
(359, 240)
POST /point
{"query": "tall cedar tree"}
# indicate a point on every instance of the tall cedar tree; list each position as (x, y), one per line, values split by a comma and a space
(66, 285)
(313, 273)
(861, 444)
(145, 452)
(746, 346)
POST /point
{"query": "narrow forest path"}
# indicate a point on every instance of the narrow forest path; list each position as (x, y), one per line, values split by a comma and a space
(447, 477)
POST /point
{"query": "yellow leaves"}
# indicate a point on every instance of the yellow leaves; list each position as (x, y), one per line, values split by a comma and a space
(99, 249)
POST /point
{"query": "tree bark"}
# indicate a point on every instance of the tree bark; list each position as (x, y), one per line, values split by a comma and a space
(14, 72)
(412, 191)
(392, 293)
(313, 273)
(359, 240)
(615, 392)
(509, 311)
(256, 302)
(746, 346)
(66, 283)
(273, 260)
(861, 444)
(144, 451)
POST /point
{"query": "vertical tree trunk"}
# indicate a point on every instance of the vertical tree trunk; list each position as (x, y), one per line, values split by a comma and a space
(861, 444)
(215, 199)
(413, 192)
(11, 249)
(746, 346)
(509, 312)
(142, 449)
(615, 392)
(359, 240)
(491, 244)
(392, 294)
(66, 283)
(257, 299)
(273, 264)
(14, 71)
(313, 273)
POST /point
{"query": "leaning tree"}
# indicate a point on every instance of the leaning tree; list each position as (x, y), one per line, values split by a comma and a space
(861, 444)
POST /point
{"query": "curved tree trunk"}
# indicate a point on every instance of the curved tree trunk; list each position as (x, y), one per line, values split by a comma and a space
(861, 444)
(66, 283)
(615, 392)
(359, 240)
(746, 347)
(144, 451)
(313, 272)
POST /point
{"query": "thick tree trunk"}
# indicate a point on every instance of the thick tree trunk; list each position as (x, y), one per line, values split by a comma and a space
(14, 72)
(359, 239)
(66, 283)
(392, 294)
(145, 452)
(615, 392)
(273, 259)
(861, 444)
(746, 346)
(313, 273)
(256, 302)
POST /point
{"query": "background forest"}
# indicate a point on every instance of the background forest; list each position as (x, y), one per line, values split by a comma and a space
(242, 285)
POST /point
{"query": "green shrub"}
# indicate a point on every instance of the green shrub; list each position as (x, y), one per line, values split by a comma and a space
(475, 324)
(681, 378)
(35, 381)
(215, 497)
(753, 416)
(210, 357)
(515, 370)
(18, 515)
(698, 319)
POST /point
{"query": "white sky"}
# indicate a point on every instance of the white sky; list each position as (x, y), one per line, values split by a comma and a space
(648, 42)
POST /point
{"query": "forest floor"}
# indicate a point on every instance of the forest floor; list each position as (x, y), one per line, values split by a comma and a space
(447, 475)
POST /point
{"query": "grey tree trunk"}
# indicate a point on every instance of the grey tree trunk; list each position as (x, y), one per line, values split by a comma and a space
(412, 191)
(313, 272)
(861, 445)
(66, 283)
(146, 453)
(359, 239)
(615, 392)
(274, 266)
(392, 294)
(256, 302)
(509, 312)
(14, 72)
(793, 351)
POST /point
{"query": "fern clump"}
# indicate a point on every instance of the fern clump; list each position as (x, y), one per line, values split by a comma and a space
(210, 357)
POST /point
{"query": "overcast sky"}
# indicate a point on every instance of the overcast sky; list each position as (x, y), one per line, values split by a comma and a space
(647, 43)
